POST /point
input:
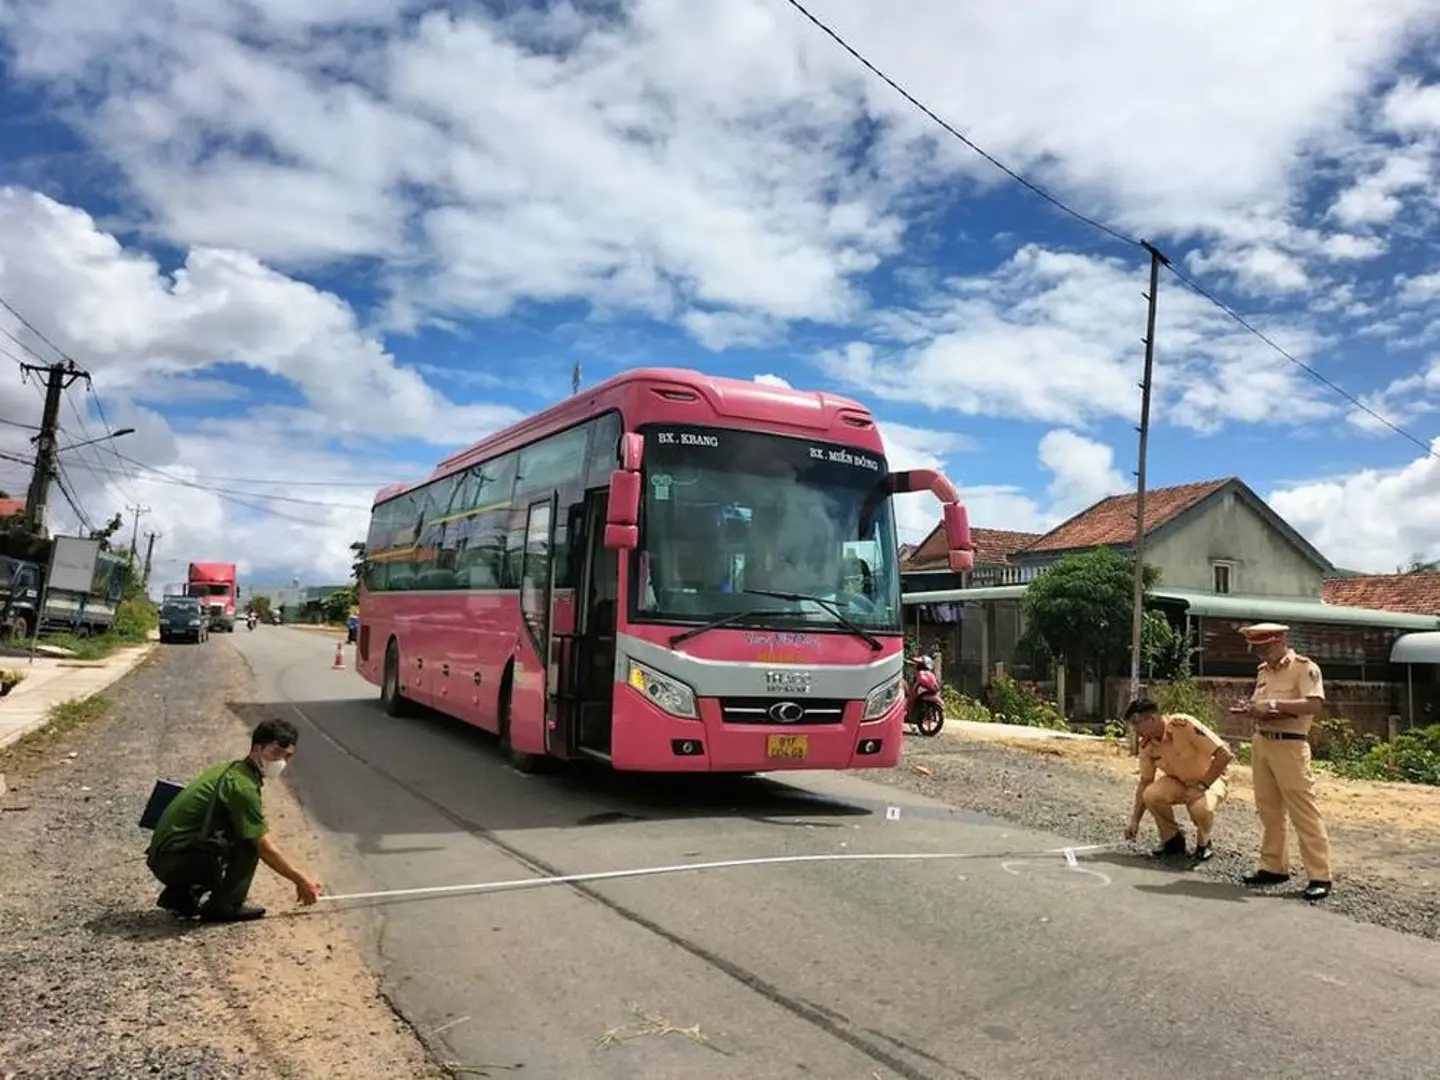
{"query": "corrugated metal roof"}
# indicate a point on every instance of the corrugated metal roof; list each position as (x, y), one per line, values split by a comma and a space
(1275, 608)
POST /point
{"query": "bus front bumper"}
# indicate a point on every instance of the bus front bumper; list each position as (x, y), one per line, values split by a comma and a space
(644, 738)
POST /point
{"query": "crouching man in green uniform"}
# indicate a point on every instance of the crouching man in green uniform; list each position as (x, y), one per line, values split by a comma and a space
(213, 834)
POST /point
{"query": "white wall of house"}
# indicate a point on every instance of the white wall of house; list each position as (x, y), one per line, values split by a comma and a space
(1230, 533)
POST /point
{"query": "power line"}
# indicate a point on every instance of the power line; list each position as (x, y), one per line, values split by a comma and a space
(220, 493)
(34, 330)
(1312, 372)
(1113, 233)
(1109, 231)
(368, 484)
(161, 477)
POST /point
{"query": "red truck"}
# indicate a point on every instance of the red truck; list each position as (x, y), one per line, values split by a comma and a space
(215, 585)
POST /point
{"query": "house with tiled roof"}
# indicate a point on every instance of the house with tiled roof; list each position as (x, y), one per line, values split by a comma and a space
(1416, 592)
(1214, 536)
(927, 565)
(1225, 558)
(11, 507)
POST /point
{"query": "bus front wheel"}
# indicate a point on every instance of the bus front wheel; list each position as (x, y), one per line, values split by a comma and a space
(392, 697)
(520, 761)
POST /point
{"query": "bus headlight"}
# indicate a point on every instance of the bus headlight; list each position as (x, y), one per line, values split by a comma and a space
(669, 695)
(883, 698)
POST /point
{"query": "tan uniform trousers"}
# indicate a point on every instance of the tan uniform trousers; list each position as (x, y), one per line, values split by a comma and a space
(1165, 793)
(1285, 787)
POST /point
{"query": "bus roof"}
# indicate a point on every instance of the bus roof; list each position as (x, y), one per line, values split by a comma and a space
(738, 400)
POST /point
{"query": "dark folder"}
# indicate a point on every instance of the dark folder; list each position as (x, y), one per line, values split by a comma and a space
(160, 797)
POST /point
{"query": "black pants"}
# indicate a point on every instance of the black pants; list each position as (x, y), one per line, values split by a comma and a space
(184, 881)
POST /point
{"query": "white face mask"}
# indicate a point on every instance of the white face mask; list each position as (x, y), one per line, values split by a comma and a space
(271, 770)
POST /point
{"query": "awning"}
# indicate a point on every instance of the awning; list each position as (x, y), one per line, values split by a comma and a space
(1290, 610)
(1422, 648)
(1267, 608)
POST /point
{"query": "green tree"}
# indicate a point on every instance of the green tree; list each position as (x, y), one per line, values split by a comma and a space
(1164, 650)
(261, 606)
(107, 534)
(1081, 609)
(357, 560)
(338, 604)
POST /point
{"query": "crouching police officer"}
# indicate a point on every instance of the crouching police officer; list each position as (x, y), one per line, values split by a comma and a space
(1193, 760)
(213, 835)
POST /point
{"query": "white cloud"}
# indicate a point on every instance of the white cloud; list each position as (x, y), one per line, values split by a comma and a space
(1082, 472)
(718, 163)
(773, 380)
(1055, 337)
(1376, 199)
(1374, 520)
(1401, 402)
(149, 336)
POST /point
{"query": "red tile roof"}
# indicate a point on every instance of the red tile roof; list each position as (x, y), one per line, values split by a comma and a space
(1111, 522)
(993, 547)
(11, 507)
(1416, 593)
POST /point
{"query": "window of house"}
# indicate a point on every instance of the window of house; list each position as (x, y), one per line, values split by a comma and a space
(1222, 573)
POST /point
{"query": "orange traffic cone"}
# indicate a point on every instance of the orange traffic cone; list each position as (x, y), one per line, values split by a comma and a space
(339, 664)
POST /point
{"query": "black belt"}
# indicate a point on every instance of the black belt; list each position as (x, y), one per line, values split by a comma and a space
(1281, 735)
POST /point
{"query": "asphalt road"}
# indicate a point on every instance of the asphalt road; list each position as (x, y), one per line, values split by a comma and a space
(927, 969)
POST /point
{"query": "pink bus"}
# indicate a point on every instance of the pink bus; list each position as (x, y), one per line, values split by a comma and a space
(668, 572)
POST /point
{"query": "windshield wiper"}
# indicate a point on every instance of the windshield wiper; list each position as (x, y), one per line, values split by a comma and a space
(713, 624)
(831, 607)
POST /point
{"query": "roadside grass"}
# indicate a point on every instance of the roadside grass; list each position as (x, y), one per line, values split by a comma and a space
(64, 719)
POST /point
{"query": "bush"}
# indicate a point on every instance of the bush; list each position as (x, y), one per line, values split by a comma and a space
(134, 619)
(1013, 702)
(960, 707)
(1186, 696)
(1413, 757)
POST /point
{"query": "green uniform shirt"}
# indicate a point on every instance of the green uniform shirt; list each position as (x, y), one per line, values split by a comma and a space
(238, 811)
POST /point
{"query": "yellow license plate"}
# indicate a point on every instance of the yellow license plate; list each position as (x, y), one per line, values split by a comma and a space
(787, 747)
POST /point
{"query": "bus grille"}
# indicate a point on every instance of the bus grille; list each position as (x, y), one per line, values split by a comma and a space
(784, 712)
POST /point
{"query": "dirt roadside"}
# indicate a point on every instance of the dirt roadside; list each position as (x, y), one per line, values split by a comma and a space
(96, 981)
(1385, 837)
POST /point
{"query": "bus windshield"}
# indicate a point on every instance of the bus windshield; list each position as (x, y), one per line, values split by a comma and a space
(728, 514)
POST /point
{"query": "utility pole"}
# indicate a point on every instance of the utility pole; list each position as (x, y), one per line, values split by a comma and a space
(135, 530)
(1138, 613)
(575, 378)
(149, 555)
(58, 379)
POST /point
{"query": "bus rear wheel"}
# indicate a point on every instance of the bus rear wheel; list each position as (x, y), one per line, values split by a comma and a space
(392, 697)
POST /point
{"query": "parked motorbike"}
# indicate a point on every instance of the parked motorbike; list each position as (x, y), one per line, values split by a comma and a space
(924, 708)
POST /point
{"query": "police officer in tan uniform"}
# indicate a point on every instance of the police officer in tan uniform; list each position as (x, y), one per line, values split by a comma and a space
(1193, 760)
(1289, 694)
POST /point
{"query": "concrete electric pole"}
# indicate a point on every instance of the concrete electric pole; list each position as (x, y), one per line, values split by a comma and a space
(58, 378)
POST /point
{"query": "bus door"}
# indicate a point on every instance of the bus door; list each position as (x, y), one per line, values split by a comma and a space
(537, 577)
(589, 682)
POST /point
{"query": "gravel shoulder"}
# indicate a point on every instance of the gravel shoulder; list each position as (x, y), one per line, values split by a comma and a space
(1385, 837)
(96, 981)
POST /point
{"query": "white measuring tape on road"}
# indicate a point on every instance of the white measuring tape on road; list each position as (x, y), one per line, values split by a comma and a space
(1069, 854)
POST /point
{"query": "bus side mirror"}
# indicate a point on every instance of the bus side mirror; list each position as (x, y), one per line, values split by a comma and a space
(632, 449)
(622, 511)
(957, 539)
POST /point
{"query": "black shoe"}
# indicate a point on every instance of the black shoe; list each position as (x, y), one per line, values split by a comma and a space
(1264, 877)
(179, 901)
(1174, 846)
(1316, 890)
(243, 913)
(1204, 852)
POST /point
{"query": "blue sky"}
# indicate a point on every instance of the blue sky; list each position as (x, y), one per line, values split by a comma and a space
(307, 247)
